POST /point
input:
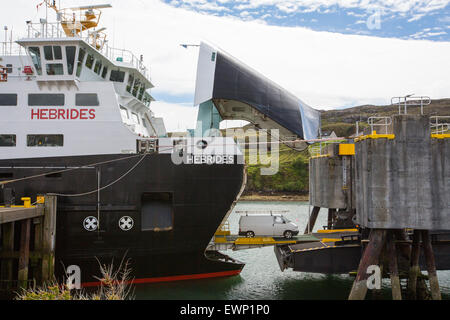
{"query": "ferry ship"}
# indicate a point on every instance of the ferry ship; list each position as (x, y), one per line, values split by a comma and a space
(75, 121)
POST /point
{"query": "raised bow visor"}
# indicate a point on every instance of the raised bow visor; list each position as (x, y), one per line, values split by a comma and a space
(238, 92)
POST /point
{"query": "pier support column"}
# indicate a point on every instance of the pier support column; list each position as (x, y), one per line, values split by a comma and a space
(370, 257)
(48, 239)
(393, 267)
(414, 269)
(24, 253)
(312, 220)
(431, 266)
(8, 248)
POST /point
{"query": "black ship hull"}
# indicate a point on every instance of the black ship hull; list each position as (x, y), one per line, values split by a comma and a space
(174, 210)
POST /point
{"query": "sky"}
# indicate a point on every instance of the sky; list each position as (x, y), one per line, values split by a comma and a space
(329, 53)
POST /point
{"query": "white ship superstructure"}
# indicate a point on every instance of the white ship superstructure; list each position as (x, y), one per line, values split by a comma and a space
(64, 91)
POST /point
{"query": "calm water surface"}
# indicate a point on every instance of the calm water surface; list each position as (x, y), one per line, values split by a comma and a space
(261, 277)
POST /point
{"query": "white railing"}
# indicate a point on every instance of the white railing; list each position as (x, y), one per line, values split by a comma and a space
(440, 124)
(95, 39)
(379, 122)
(10, 48)
(410, 100)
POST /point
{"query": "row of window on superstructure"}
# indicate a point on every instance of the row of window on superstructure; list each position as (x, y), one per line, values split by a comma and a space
(50, 99)
(54, 65)
(33, 140)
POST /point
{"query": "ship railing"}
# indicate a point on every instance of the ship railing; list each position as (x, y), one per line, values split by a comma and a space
(383, 122)
(410, 100)
(10, 48)
(125, 56)
(94, 38)
(440, 124)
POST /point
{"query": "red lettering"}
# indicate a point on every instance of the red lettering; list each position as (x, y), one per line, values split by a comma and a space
(34, 113)
(61, 114)
(65, 114)
(52, 114)
(74, 114)
(43, 114)
(83, 115)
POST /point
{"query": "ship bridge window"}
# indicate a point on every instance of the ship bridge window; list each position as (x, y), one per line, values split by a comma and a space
(55, 69)
(137, 84)
(141, 92)
(86, 100)
(45, 99)
(157, 211)
(135, 118)
(7, 140)
(52, 53)
(35, 54)
(81, 56)
(45, 140)
(117, 76)
(70, 54)
(124, 113)
(89, 61)
(98, 67)
(104, 72)
(8, 99)
(130, 83)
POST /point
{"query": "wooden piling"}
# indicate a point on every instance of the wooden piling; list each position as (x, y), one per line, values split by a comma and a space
(393, 267)
(312, 220)
(24, 256)
(8, 248)
(431, 266)
(370, 257)
(48, 238)
(414, 269)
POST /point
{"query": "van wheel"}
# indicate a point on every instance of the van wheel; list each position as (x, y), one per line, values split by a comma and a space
(250, 234)
(288, 234)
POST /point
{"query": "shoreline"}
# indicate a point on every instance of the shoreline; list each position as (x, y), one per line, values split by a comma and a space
(274, 197)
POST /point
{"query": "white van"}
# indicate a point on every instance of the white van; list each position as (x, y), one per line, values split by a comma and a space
(266, 225)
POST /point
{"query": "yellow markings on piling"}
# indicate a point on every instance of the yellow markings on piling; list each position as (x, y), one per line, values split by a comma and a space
(337, 230)
(375, 135)
(440, 135)
(346, 149)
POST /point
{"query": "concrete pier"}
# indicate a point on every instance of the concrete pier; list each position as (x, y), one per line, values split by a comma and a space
(404, 182)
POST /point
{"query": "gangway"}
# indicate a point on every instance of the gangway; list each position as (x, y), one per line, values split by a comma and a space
(223, 240)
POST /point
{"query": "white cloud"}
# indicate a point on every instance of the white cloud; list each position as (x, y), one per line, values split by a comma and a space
(326, 70)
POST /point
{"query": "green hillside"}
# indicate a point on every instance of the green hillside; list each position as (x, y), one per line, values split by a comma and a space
(293, 168)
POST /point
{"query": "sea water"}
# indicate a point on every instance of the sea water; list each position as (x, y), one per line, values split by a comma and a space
(261, 278)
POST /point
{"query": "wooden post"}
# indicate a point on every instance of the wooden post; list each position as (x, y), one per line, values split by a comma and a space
(48, 238)
(24, 253)
(370, 257)
(414, 269)
(393, 267)
(431, 266)
(8, 247)
(312, 220)
(37, 265)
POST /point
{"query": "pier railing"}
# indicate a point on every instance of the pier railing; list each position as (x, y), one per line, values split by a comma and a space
(410, 100)
(440, 124)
